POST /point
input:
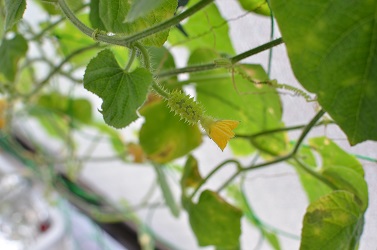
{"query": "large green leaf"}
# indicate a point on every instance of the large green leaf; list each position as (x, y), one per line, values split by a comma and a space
(122, 92)
(14, 10)
(258, 108)
(332, 49)
(113, 14)
(164, 136)
(215, 222)
(205, 29)
(11, 52)
(257, 6)
(94, 16)
(334, 222)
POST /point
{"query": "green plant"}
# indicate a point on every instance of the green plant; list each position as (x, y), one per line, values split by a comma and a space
(332, 49)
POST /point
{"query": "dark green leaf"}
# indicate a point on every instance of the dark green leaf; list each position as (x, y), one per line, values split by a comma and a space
(215, 222)
(332, 48)
(122, 92)
(113, 14)
(166, 190)
(164, 136)
(341, 169)
(334, 222)
(11, 52)
(141, 8)
(257, 6)
(205, 29)
(94, 15)
(14, 10)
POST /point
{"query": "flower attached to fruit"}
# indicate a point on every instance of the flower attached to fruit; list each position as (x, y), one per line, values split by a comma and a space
(220, 131)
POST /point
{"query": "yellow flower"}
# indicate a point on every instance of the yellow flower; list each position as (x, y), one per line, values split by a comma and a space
(220, 131)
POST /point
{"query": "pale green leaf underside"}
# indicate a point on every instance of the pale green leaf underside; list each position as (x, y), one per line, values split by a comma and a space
(122, 92)
(113, 14)
(205, 29)
(334, 222)
(332, 46)
(140, 8)
(257, 6)
(14, 10)
(11, 52)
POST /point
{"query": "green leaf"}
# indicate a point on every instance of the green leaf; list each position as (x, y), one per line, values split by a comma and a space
(164, 136)
(313, 187)
(333, 155)
(11, 52)
(113, 15)
(334, 222)
(190, 179)
(205, 29)
(141, 8)
(94, 16)
(341, 169)
(215, 222)
(332, 49)
(191, 176)
(258, 108)
(257, 6)
(122, 92)
(347, 179)
(14, 10)
(166, 190)
(79, 109)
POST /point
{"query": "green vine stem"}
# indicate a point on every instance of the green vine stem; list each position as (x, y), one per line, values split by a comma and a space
(131, 59)
(232, 60)
(145, 55)
(286, 157)
(128, 40)
(159, 90)
(237, 163)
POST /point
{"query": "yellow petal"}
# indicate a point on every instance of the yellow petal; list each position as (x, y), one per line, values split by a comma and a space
(222, 131)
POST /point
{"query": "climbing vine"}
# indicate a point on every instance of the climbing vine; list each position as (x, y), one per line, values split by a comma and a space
(120, 51)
